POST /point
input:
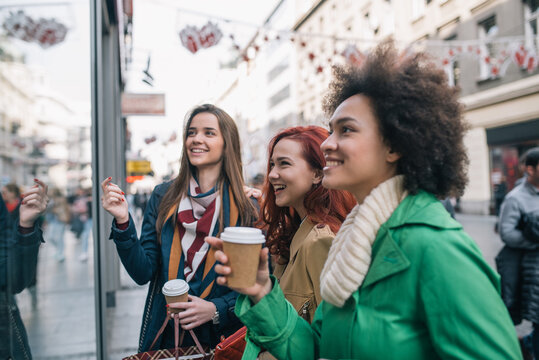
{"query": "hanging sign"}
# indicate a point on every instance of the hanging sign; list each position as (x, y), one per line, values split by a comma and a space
(143, 104)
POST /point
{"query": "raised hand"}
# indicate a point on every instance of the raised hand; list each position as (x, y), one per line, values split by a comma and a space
(33, 204)
(263, 285)
(252, 192)
(195, 312)
(113, 200)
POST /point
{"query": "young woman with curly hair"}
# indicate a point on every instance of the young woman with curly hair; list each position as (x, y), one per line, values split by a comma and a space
(402, 279)
(301, 216)
(206, 196)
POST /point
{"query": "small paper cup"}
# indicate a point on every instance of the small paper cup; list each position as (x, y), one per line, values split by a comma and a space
(176, 290)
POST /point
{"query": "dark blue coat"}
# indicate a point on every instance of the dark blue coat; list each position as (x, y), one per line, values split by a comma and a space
(147, 261)
(18, 260)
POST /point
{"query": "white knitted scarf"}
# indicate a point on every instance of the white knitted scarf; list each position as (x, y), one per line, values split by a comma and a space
(350, 253)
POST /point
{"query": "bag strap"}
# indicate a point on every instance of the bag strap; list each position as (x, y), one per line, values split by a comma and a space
(178, 336)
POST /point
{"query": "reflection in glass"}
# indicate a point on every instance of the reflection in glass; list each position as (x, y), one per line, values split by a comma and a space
(45, 134)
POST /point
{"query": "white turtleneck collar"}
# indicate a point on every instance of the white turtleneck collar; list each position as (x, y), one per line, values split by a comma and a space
(350, 253)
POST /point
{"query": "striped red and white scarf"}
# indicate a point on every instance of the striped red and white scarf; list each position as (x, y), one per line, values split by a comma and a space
(197, 215)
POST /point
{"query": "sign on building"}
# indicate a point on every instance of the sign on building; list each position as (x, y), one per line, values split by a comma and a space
(143, 104)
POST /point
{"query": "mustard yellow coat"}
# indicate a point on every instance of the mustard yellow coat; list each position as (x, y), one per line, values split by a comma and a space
(300, 277)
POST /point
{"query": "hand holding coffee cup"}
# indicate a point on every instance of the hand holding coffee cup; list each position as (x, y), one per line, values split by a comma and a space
(262, 284)
(242, 246)
(176, 290)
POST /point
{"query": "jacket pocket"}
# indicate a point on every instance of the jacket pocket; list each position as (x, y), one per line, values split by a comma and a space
(303, 303)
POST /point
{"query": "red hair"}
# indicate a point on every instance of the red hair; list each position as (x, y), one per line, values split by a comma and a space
(323, 206)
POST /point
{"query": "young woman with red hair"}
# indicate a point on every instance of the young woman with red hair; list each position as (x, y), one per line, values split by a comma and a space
(300, 215)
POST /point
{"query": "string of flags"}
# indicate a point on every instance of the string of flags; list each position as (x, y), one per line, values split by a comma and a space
(45, 32)
(495, 54)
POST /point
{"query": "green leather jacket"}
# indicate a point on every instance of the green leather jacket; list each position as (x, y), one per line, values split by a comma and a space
(429, 294)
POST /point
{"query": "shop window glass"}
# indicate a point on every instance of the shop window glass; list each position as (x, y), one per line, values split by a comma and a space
(45, 134)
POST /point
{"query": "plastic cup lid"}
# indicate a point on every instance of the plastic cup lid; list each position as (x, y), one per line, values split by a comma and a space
(243, 235)
(175, 287)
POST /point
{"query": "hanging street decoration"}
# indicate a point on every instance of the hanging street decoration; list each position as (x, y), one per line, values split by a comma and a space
(195, 39)
(352, 55)
(45, 32)
(494, 55)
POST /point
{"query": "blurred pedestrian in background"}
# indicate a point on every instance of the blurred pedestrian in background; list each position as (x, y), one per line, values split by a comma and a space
(11, 194)
(58, 217)
(500, 189)
(82, 209)
(402, 279)
(19, 245)
(518, 262)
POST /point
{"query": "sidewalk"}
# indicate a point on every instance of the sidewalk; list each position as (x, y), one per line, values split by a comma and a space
(63, 324)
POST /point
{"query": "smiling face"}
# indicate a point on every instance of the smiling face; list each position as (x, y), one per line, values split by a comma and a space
(290, 176)
(204, 143)
(357, 159)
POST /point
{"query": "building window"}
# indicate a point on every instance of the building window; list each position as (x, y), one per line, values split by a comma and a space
(418, 9)
(279, 96)
(487, 31)
(277, 70)
(531, 23)
(453, 68)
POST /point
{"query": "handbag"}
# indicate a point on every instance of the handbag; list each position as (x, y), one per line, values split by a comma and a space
(232, 347)
(186, 352)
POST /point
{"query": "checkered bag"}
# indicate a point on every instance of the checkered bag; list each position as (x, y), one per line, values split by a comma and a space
(186, 352)
(189, 352)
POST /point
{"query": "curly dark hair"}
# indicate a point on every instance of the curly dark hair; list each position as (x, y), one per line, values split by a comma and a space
(418, 113)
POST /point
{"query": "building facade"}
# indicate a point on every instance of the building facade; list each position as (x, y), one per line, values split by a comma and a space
(263, 96)
(488, 48)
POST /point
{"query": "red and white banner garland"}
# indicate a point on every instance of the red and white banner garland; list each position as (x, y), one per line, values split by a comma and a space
(45, 32)
(493, 55)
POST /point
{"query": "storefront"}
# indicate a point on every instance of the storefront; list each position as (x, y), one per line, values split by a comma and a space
(504, 123)
(507, 144)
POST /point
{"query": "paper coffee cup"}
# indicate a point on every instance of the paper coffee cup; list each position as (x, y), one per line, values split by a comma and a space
(242, 247)
(175, 290)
